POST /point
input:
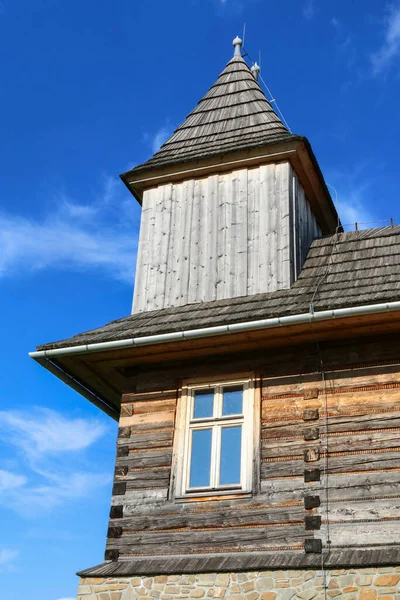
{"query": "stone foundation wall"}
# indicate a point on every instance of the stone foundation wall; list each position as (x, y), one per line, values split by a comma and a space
(349, 584)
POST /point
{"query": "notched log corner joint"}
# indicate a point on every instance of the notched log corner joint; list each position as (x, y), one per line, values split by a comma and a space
(311, 414)
(116, 512)
(311, 502)
(312, 546)
(312, 475)
(119, 488)
(114, 532)
(312, 523)
(112, 555)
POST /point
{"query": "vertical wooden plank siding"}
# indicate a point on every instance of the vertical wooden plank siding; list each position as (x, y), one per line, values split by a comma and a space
(224, 236)
(306, 228)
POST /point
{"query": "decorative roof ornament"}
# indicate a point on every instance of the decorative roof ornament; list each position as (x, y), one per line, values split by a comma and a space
(256, 69)
(237, 42)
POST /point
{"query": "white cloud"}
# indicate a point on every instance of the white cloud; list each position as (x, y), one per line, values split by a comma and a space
(44, 480)
(51, 490)
(100, 235)
(157, 139)
(382, 59)
(353, 193)
(46, 431)
(309, 10)
(352, 210)
(7, 557)
(10, 481)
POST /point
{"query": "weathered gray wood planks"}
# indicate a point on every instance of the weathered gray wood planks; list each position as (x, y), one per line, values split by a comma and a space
(228, 235)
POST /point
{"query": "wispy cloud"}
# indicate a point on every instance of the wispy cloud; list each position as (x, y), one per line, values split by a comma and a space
(346, 51)
(353, 195)
(45, 431)
(385, 56)
(309, 10)
(98, 235)
(7, 558)
(10, 481)
(39, 440)
(157, 139)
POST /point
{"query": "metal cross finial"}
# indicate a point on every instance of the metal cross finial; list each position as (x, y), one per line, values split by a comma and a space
(237, 42)
(255, 69)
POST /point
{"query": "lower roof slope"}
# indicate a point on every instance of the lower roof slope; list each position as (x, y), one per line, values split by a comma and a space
(340, 271)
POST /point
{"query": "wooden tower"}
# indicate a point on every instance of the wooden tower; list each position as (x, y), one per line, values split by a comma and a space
(257, 380)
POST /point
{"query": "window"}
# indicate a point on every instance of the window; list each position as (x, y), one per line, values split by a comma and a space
(217, 439)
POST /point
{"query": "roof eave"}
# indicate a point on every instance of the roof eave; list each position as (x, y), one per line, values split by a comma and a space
(296, 149)
(146, 176)
(80, 368)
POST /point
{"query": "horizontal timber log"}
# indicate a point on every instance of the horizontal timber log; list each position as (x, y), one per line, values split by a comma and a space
(363, 534)
(149, 420)
(207, 540)
(150, 439)
(146, 458)
(218, 518)
(344, 443)
(362, 510)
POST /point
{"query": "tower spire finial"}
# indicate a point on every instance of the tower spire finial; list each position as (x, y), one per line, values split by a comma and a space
(237, 42)
(255, 69)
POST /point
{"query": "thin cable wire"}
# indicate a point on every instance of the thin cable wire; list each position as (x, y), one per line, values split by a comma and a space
(272, 99)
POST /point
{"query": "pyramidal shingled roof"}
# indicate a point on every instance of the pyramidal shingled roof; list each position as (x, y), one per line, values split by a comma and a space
(233, 115)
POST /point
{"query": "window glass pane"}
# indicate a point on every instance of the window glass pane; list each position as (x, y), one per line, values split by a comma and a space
(203, 404)
(231, 444)
(232, 403)
(200, 462)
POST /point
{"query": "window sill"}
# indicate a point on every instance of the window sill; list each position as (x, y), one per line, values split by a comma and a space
(214, 495)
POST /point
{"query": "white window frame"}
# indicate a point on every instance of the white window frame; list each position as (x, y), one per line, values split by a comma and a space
(216, 422)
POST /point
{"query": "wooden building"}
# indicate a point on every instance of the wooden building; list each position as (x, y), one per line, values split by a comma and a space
(257, 381)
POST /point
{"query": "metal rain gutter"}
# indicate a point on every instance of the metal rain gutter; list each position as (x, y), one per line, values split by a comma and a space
(76, 385)
(310, 317)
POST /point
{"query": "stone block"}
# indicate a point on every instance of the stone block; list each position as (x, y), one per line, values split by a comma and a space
(115, 596)
(386, 580)
(307, 594)
(217, 592)
(252, 596)
(84, 590)
(206, 578)
(247, 586)
(363, 580)
(173, 589)
(222, 579)
(265, 583)
(197, 593)
(367, 595)
(268, 596)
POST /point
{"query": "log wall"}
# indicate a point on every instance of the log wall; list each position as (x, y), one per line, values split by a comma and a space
(329, 458)
(222, 236)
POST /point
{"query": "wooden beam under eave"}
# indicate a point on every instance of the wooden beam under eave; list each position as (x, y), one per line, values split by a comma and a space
(262, 339)
(138, 182)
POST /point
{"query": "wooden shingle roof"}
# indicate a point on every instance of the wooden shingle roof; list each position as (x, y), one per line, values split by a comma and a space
(344, 270)
(233, 115)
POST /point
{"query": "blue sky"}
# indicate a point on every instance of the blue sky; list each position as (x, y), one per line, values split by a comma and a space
(87, 90)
